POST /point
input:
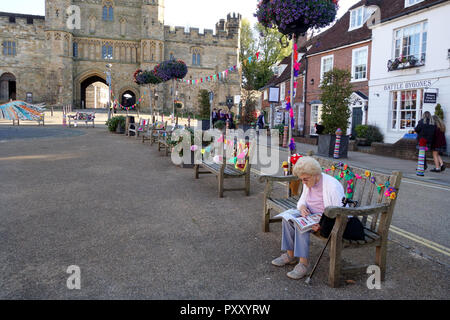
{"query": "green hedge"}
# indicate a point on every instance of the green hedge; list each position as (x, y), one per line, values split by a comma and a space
(370, 133)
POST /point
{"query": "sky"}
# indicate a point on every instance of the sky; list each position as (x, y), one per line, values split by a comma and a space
(202, 14)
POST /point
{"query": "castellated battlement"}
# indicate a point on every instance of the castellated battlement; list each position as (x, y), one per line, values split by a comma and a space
(22, 22)
(226, 30)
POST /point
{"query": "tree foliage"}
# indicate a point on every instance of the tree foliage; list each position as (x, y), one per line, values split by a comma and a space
(203, 102)
(256, 74)
(336, 92)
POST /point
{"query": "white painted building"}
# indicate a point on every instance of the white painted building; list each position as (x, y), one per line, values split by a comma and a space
(419, 37)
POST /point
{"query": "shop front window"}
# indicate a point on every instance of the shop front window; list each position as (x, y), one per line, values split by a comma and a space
(406, 109)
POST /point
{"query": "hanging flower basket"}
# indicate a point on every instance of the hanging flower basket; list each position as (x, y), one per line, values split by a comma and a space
(296, 16)
(146, 77)
(171, 69)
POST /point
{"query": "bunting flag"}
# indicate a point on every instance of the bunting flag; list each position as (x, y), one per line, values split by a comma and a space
(116, 103)
(221, 75)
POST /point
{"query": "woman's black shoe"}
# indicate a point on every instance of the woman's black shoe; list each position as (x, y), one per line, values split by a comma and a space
(435, 170)
(443, 167)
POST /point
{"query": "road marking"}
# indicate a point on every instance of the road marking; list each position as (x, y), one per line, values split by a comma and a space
(411, 236)
(426, 184)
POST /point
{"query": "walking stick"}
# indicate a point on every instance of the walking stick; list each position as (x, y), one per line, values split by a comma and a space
(345, 201)
(308, 280)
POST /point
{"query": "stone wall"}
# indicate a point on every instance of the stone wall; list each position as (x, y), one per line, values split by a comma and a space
(30, 63)
(45, 63)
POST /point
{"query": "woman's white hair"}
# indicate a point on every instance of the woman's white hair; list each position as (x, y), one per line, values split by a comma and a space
(308, 166)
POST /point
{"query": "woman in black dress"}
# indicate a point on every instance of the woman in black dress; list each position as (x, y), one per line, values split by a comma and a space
(439, 144)
(425, 129)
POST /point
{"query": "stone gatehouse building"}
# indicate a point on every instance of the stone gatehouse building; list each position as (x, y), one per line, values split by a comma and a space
(43, 60)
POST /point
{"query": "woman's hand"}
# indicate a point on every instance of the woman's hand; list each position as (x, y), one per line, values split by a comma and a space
(315, 227)
(304, 211)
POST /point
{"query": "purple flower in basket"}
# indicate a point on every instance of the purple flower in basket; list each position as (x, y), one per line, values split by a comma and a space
(296, 16)
(171, 69)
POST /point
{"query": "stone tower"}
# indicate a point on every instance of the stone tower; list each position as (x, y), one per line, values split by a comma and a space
(233, 24)
(59, 39)
(152, 35)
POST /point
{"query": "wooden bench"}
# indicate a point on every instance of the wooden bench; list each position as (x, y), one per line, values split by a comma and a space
(164, 139)
(152, 132)
(85, 117)
(138, 128)
(375, 210)
(39, 120)
(225, 170)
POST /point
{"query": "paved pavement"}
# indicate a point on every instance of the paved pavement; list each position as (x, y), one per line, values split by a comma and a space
(140, 227)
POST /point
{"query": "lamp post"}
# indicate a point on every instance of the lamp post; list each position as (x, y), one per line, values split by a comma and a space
(156, 105)
(108, 81)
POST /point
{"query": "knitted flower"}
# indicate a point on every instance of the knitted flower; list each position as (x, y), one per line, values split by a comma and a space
(367, 173)
(372, 180)
(393, 196)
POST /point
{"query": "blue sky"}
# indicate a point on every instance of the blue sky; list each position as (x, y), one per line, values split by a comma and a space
(177, 12)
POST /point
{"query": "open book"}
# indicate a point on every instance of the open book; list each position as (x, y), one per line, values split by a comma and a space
(303, 224)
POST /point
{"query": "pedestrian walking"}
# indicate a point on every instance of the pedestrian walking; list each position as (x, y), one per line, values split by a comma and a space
(261, 121)
(215, 116)
(229, 117)
(425, 130)
(439, 144)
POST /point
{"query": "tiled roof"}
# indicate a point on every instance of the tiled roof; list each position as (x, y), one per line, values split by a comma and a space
(338, 35)
(391, 9)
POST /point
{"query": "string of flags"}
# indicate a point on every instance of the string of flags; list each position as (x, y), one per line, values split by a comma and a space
(117, 104)
(220, 75)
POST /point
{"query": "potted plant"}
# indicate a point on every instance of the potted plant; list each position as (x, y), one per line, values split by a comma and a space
(116, 124)
(280, 129)
(296, 16)
(336, 91)
(438, 111)
(205, 109)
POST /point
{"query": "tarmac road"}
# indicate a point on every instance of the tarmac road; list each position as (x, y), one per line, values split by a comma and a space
(141, 228)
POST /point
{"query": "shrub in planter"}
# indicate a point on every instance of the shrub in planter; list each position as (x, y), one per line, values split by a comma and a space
(116, 122)
(439, 112)
(369, 133)
(336, 91)
(219, 124)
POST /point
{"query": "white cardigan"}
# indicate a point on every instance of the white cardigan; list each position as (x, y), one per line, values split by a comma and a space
(333, 192)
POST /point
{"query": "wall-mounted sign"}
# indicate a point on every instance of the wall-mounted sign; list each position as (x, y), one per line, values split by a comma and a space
(408, 85)
(274, 94)
(430, 97)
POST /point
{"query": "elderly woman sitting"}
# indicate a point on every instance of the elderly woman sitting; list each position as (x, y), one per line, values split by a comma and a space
(319, 191)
